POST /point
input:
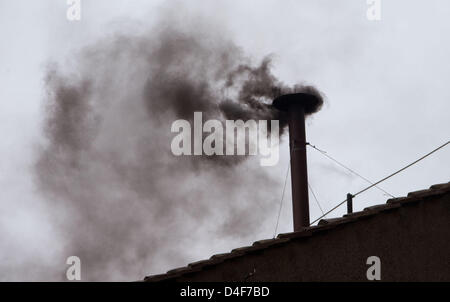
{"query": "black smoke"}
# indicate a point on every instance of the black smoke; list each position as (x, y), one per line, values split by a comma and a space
(129, 206)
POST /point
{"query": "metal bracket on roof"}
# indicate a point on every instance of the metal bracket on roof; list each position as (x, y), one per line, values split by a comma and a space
(349, 203)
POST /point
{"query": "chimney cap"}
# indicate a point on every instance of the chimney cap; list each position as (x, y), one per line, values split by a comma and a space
(310, 102)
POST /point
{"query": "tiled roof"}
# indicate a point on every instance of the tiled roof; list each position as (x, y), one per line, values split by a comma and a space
(323, 225)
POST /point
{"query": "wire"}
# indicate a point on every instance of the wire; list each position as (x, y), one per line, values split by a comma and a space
(315, 197)
(402, 169)
(338, 205)
(281, 201)
(387, 177)
(347, 168)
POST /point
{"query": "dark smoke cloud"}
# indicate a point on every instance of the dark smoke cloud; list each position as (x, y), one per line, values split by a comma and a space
(126, 205)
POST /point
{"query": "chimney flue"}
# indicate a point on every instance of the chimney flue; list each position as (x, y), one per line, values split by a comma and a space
(297, 105)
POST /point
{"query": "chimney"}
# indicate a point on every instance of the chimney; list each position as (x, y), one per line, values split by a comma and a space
(297, 105)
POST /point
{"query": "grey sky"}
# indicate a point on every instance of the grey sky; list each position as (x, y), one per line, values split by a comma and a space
(386, 85)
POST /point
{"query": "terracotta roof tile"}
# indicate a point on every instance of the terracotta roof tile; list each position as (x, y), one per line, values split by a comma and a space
(295, 235)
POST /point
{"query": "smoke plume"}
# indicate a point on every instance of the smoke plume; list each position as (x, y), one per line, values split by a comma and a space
(126, 205)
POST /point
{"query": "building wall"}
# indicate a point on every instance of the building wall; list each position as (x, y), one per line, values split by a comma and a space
(412, 242)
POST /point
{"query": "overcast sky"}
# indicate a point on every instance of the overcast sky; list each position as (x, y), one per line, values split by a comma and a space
(386, 87)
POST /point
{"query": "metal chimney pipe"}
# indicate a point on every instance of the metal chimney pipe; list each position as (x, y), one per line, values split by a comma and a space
(296, 105)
